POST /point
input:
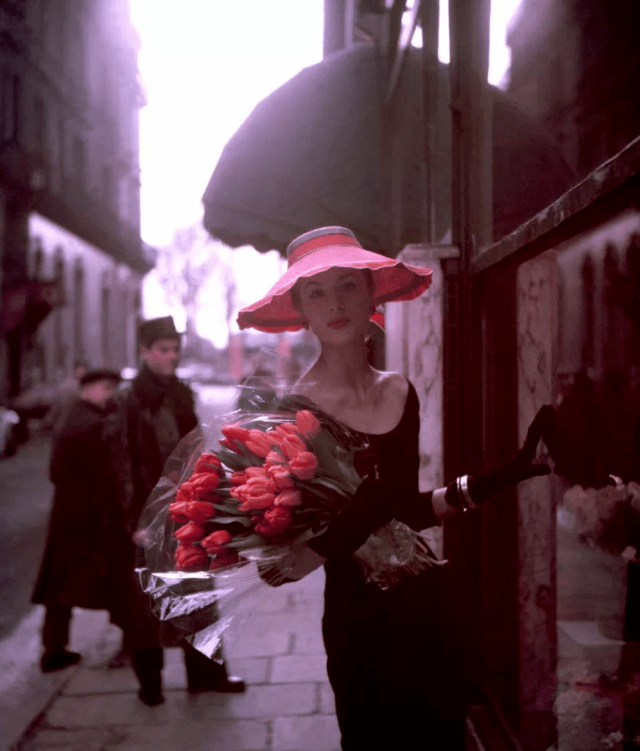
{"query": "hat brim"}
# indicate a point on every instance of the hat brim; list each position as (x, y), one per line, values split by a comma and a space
(393, 281)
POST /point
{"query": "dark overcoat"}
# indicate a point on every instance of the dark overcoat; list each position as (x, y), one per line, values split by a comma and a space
(82, 564)
(158, 412)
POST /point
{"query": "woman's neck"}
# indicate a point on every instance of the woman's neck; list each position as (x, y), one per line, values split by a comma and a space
(342, 369)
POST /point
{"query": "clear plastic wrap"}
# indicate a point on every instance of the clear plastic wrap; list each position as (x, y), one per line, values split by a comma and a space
(236, 499)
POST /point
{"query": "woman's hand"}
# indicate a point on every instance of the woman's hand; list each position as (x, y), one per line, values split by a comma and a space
(522, 467)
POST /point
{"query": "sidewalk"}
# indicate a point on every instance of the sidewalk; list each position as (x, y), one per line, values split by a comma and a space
(288, 705)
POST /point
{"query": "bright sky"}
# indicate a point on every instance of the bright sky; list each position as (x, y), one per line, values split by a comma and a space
(204, 67)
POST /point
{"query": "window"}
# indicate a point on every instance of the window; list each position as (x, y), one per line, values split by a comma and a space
(105, 314)
(10, 106)
(79, 166)
(60, 350)
(78, 311)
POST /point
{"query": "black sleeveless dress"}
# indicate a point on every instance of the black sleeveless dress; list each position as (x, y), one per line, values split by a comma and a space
(394, 671)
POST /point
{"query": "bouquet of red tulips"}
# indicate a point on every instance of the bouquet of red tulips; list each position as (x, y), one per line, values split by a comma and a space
(233, 496)
(271, 480)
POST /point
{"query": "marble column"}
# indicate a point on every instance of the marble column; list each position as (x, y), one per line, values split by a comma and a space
(537, 289)
(414, 333)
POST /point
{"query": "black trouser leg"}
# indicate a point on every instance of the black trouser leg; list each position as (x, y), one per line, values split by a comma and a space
(203, 672)
(147, 663)
(55, 630)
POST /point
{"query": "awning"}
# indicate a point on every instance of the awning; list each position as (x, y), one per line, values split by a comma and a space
(315, 152)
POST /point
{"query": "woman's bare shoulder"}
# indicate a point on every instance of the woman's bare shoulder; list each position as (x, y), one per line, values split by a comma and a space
(395, 385)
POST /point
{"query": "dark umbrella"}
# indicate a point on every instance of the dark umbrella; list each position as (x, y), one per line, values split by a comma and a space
(313, 154)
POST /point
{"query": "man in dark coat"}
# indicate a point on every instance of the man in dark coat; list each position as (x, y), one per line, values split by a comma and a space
(159, 412)
(81, 566)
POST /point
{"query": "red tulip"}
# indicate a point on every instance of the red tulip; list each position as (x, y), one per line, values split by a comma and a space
(185, 493)
(234, 437)
(252, 472)
(216, 541)
(274, 458)
(293, 445)
(288, 498)
(204, 483)
(281, 476)
(235, 433)
(177, 512)
(238, 478)
(208, 463)
(307, 424)
(190, 532)
(257, 500)
(305, 465)
(266, 530)
(190, 558)
(278, 518)
(223, 560)
(199, 511)
(258, 443)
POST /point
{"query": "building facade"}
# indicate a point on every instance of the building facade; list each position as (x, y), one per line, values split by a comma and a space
(575, 68)
(69, 187)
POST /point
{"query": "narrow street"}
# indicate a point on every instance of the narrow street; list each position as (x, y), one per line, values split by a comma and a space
(26, 500)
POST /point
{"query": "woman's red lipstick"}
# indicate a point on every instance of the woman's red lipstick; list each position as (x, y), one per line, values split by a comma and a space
(338, 323)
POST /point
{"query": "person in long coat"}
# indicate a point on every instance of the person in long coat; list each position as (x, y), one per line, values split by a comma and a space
(81, 566)
(159, 411)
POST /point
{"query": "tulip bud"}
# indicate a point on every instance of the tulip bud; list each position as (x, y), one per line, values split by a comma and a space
(281, 476)
(199, 511)
(307, 424)
(216, 541)
(305, 465)
(190, 532)
(204, 483)
(292, 446)
(207, 463)
(190, 558)
(288, 498)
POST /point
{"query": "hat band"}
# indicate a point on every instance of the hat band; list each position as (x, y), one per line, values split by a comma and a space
(320, 242)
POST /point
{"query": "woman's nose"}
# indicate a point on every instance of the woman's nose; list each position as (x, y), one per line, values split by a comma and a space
(336, 302)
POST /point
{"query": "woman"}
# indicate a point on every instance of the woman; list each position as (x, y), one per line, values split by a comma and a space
(390, 665)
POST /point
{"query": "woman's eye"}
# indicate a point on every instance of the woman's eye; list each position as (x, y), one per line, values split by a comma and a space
(349, 286)
(315, 293)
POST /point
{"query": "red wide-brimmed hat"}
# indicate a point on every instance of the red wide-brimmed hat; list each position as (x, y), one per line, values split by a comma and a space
(322, 249)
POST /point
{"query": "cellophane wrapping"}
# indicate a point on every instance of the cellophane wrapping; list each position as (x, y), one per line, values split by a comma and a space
(236, 500)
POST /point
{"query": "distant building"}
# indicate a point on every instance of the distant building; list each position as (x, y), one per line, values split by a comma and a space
(575, 67)
(69, 188)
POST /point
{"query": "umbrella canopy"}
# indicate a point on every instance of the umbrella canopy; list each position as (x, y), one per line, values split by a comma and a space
(317, 152)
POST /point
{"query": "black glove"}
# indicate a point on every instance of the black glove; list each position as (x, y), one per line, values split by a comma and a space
(488, 482)
(370, 508)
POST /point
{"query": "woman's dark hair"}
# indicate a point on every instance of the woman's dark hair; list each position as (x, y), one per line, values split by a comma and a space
(295, 290)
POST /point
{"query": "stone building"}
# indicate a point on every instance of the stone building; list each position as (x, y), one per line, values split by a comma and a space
(575, 68)
(69, 188)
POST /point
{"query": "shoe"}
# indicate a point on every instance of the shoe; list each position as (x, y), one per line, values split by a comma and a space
(229, 684)
(152, 696)
(52, 661)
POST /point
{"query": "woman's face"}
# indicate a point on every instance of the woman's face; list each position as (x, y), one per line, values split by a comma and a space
(336, 304)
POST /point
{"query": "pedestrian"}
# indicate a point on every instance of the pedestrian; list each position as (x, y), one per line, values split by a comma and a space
(66, 394)
(393, 668)
(158, 412)
(86, 530)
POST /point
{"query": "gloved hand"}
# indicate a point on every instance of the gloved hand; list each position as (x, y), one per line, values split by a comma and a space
(370, 508)
(522, 467)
